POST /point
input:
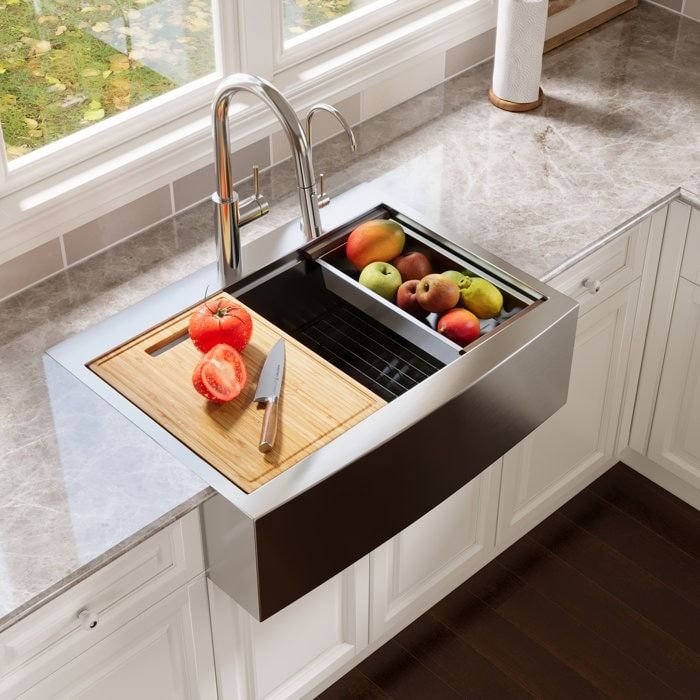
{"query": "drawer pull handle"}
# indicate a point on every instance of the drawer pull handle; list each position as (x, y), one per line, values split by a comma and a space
(88, 620)
(593, 286)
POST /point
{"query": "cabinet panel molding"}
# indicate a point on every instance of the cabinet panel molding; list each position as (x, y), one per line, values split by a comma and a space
(690, 269)
(674, 239)
(675, 433)
(578, 442)
(291, 652)
(413, 570)
(641, 324)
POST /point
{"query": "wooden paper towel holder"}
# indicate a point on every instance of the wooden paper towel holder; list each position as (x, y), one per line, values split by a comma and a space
(515, 106)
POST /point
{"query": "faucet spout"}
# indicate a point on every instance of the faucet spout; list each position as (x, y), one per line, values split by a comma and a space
(232, 213)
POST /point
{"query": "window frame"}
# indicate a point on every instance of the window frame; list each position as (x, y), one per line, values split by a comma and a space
(354, 25)
(153, 115)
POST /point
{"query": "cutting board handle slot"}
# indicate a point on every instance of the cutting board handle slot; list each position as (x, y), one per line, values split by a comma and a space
(168, 343)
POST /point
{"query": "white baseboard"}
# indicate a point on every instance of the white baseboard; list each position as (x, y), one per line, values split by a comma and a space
(664, 478)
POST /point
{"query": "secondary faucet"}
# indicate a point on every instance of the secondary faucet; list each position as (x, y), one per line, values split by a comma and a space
(233, 213)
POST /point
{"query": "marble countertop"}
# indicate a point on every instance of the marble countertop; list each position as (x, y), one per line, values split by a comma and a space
(619, 130)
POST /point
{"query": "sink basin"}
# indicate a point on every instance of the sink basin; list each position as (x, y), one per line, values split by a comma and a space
(450, 412)
(319, 301)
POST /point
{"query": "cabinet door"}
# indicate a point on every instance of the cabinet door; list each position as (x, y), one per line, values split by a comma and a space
(165, 652)
(52, 636)
(290, 653)
(578, 442)
(675, 432)
(419, 566)
(665, 287)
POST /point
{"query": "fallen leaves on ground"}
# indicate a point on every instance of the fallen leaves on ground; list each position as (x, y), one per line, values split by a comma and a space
(65, 64)
(119, 63)
(94, 112)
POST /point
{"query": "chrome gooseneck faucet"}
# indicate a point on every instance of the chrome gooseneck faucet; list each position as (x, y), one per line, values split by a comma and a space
(233, 213)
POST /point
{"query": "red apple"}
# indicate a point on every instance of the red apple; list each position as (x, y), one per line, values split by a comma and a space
(375, 241)
(460, 326)
(437, 293)
(406, 299)
(413, 266)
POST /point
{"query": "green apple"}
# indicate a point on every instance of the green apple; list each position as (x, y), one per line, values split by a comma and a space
(382, 278)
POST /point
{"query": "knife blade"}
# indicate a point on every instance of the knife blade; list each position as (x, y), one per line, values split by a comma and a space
(268, 392)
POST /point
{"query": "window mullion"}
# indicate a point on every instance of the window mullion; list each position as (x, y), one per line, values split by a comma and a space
(226, 33)
(256, 36)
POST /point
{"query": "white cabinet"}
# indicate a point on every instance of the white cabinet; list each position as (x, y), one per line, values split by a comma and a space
(578, 442)
(413, 570)
(293, 651)
(635, 383)
(675, 431)
(49, 653)
(165, 652)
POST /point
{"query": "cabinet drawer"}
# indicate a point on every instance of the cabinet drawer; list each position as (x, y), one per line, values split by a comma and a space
(51, 636)
(690, 268)
(164, 653)
(603, 273)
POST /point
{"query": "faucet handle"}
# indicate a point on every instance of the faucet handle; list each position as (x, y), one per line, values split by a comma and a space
(323, 198)
(256, 205)
(256, 181)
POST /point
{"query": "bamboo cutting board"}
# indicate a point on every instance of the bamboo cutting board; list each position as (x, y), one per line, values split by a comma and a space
(318, 403)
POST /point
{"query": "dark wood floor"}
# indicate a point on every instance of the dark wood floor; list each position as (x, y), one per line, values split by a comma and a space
(601, 599)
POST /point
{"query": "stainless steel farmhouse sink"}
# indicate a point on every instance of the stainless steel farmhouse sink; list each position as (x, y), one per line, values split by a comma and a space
(450, 412)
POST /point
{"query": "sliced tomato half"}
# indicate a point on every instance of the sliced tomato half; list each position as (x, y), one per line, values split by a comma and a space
(221, 374)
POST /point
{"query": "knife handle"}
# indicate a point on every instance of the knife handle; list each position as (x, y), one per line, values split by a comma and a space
(269, 426)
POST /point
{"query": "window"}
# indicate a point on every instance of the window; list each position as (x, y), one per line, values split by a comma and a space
(68, 64)
(302, 15)
(103, 100)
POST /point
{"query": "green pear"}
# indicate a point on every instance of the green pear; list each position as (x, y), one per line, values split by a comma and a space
(459, 278)
(481, 297)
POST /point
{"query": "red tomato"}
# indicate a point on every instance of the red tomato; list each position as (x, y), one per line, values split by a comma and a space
(220, 321)
(220, 375)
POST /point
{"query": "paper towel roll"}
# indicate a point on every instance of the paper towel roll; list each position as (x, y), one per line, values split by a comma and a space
(520, 34)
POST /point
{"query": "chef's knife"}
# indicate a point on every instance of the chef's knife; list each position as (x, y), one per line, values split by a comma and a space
(268, 392)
